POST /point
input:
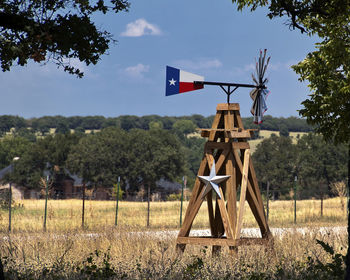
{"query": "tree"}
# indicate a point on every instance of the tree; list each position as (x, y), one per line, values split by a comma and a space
(154, 155)
(274, 160)
(55, 30)
(100, 158)
(184, 126)
(319, 164)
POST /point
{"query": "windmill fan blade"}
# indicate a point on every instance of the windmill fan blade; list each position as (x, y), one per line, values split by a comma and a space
(260, 93)
(259, 106)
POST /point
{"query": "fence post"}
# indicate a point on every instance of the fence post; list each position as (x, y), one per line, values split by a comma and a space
(83, 209)
(182, 198)
(267, 200)
(117, 205)
(46, 196)
(10, 202)
(295, 199)
(148, 203)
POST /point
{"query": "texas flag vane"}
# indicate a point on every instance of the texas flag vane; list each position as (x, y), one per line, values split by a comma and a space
(179, 81)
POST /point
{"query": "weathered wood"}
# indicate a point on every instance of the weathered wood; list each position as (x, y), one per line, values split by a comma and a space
(186, 226)
(224, 215)
(215, 124)
(223, 241)
(211, 212)
(225, 139)
(240, 145)
(256, 209)
(235, 134)
(227, 107)
(243, 193)
(231, 192)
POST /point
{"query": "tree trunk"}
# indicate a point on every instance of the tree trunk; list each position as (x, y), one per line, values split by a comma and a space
(347, 261)
(148, 203)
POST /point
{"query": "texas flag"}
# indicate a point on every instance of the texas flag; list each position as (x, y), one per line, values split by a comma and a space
(178, 81)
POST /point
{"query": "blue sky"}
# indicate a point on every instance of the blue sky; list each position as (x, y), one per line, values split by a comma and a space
(205, 37)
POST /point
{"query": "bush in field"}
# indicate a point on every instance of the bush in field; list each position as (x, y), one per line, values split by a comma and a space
(174, 197)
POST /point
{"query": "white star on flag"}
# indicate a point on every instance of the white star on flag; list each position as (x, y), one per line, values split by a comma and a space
(212, 181)
(172, 82)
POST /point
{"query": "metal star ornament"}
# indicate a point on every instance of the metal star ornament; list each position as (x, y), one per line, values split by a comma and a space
(212, 181)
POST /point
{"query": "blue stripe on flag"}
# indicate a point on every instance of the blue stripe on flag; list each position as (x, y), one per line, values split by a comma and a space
(172, 81)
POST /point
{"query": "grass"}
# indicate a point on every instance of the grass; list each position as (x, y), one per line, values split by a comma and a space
(131, 251)
(65, 215)
(117, 254)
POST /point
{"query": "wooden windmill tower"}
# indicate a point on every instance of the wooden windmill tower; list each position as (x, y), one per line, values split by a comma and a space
(227, 145)
(228, 151)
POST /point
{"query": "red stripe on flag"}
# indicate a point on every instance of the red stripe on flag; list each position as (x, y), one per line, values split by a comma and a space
(189, 87)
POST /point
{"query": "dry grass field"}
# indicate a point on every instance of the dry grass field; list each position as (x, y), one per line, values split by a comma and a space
(132, 251)
(65, 215)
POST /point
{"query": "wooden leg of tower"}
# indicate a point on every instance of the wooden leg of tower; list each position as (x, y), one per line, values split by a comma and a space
(186, 226)
(243, 193)
(211, 212)
(197, 187)
(231, 192)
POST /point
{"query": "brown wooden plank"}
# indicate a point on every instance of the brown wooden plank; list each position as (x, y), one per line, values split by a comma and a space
(206, 241)
(255, 184)
(210, 241)
(215, 124)
(224, 215)
(244, 184)
(238, 119)
(231, 192)
(225, 106)
(218, 224)
(240, 145)
(218, 145)
(237, 134)
(186, 226)
(211, 212)
(257, 211)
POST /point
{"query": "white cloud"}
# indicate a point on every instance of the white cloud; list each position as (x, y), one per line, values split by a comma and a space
(202, 63)
(140, 27)
(137, 71)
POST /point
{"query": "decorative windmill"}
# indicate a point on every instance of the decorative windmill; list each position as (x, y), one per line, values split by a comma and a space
(226, 166)
(179, 81)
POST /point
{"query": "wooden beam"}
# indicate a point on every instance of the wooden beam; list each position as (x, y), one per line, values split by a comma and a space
(224, 216)
(186, 226)
(215, 124)
(226, 107)
(231, 192)
(207, 241)
(256, 209)
(243, 193)
(211, 212)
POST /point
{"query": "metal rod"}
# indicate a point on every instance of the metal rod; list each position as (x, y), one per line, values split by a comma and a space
(10, 202)
(227, 84)
(83, 208)
(117, 205)
(182, 198)
(295, 200)
(46, 196)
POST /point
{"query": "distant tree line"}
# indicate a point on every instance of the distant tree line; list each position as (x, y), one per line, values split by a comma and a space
(311, 165)
(62, 124)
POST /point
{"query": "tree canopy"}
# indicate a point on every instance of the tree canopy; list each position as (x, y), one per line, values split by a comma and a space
(54, 30)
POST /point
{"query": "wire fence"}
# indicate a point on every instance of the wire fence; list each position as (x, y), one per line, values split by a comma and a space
(159, 209)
